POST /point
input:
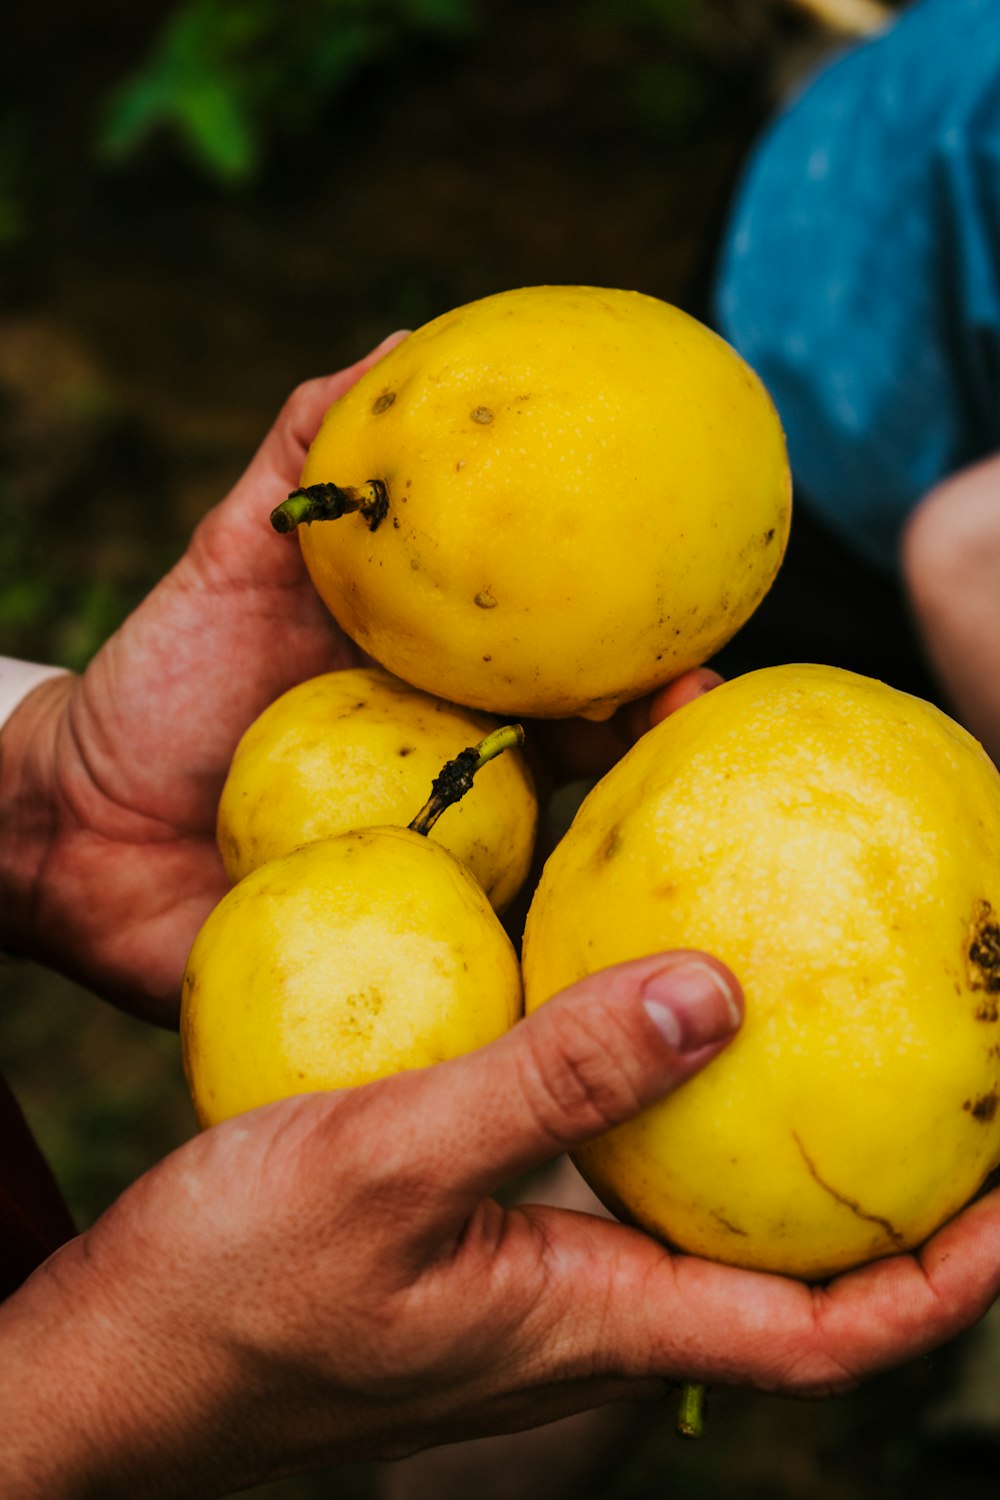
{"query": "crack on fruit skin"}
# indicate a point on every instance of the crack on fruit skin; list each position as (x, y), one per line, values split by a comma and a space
(383, 402)
(984, 1108)
(887, 1227)
(728, 1224)
(984, 959)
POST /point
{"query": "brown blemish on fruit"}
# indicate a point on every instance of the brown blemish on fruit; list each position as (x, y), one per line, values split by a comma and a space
(984, 958)
(487, 658)
(485, 599)
(482, 415)
(406, 750)
(609, 845)
(383, 402)
(855, 1208)
(769, 536)
(984, 1108)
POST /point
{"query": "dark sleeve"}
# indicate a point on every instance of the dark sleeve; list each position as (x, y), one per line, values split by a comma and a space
(34, 1219)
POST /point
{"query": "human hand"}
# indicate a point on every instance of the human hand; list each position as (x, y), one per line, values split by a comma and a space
(311, 1283)
(111, 781)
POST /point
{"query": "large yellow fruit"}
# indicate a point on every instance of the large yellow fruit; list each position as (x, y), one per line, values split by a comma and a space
(837, 843)
(347, 960)
(359, 748)
(576, 494)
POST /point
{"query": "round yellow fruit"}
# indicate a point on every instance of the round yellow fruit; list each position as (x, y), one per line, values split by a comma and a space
(345, 961)
(585, 493)
(837, 844)
(359, 748)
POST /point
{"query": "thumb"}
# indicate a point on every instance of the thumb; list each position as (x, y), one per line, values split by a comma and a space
(236, 535)
(589, 1059)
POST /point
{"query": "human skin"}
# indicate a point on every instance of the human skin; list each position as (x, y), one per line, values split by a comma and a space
(110, 782)
(951, 567)
(278, 1294)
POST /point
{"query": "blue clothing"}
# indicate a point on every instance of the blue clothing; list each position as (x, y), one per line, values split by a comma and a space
(860, 275)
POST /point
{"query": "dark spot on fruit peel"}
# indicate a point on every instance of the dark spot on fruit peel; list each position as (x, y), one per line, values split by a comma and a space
(984, 1108)
(885, 1225)
(406, 749)
(769, 536)
(482, 415)
(383, 402)
(984, 957)
(609, 845)
(485, 599)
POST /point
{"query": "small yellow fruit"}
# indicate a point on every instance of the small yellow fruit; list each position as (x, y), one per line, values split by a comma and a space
(359, 748)
(837, 844)
(568, 496)
(345, 961)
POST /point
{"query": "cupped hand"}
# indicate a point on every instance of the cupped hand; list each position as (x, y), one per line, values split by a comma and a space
(327, 1278)
(128, 761)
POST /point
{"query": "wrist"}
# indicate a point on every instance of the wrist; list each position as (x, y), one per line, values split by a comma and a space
(90, 1407)
(29, 803)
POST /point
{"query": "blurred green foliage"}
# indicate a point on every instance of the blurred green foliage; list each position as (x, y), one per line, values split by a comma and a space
(223, 76)
(224, 79)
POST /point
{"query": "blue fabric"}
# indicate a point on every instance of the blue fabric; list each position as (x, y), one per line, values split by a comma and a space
(860, 275)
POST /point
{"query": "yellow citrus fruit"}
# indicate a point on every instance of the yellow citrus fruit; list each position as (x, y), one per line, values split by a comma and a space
(349, 959)
(359, 748)
(837, 844)
(569, 496)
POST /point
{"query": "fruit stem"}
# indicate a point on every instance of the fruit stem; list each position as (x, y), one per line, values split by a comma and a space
(691, 1411)
(455, 778)
(328, 502)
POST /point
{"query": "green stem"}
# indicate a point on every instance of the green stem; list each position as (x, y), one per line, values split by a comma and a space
(328, 502)
(691, 1411)
(455, 778)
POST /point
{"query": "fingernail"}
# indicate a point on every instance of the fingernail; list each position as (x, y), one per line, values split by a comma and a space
(691, 1005)
(401, 333)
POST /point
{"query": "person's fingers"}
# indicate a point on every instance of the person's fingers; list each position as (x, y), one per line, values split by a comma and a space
(898, 1309)
(587, 1060)
(625, 1304)
(683, 689)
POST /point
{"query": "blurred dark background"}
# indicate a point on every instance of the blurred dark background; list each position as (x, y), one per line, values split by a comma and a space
(202, 204)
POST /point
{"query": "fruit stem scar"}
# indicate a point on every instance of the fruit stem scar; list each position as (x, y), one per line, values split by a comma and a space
(455, 777)
(328, 502)
(691, 1411)
(887, 1228)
